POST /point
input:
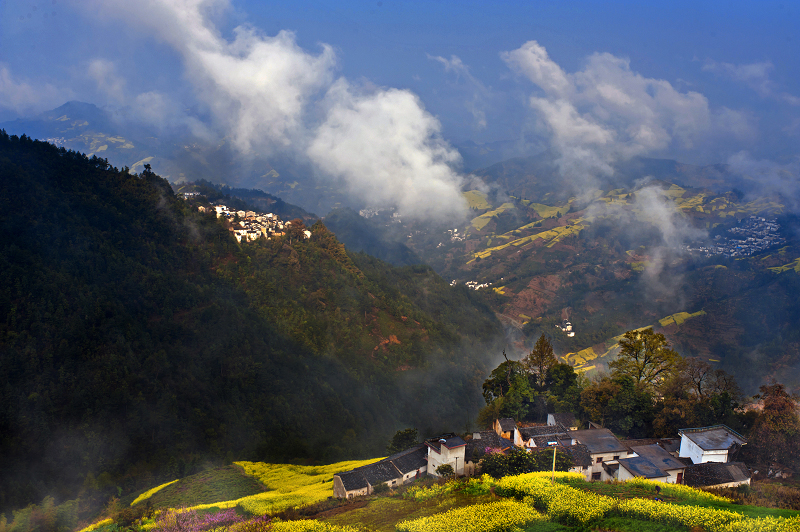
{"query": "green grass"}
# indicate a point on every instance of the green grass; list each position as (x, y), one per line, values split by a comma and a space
(208, 487)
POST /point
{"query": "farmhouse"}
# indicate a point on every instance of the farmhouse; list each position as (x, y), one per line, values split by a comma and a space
(717, 475)
(393, 471)
(448, 449)
(564, 419)
(543, 436)
(651, 462)
(604, 449)
(717, 443)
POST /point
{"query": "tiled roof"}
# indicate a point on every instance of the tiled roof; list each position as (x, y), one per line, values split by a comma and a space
(565, 418)
(714, 438)
(507, 424)
(580, 454)
(352, 480)
(486, 439)
(543, 430)
(659, 456)
(671, 445)
(382, 471)
(713, 473)
(653, 462)
(598, 440)
(642, 467)
(410, 459)
(451, 441)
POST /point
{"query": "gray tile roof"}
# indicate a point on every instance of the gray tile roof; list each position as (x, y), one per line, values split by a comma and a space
(671, 445)
(410, 459)
(565, 418)
(380, 472)
(451, 441)
(507, 424)
(653, 462)
(384, 470)
(486, 439)
(715, 438)
(352, 480)
(580, 454)
(543, 430)
(658, 456)
(713, 473)
(598, 440)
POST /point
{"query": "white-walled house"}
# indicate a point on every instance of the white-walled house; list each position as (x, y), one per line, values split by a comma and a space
(710, 444)
(652, 462)
(604, 449)
(448, 449)
(506, 428)
(565, 419)
(396, 470)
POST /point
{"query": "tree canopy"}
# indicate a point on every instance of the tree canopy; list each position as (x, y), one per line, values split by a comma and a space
(646, 357)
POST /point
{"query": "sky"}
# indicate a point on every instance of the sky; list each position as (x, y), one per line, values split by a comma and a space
(378, 94)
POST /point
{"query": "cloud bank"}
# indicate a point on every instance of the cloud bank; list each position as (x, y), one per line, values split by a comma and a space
(268, 95)
(607, 113)
(21, 96)
(754, 75)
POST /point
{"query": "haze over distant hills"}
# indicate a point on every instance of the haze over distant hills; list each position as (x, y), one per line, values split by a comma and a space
(610, 254)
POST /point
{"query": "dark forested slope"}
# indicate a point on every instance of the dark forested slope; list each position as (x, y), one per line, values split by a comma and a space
(139, 336)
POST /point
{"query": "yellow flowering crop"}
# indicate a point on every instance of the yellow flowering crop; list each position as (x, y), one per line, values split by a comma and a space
(420, 493)
(96, 525)
(678, 490)
(562, 503)
(149, 493)
(500, 516)
(766, 524)
(678, 515)
(289, 486)
(309, 525)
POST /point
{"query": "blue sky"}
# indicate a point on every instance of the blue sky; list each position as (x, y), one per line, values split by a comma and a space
(703, 82)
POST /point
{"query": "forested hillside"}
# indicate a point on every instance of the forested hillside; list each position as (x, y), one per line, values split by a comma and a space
(140, 337)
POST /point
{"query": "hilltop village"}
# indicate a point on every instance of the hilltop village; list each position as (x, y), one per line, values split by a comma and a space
(699, 457)
(753, 235)
(250, 225)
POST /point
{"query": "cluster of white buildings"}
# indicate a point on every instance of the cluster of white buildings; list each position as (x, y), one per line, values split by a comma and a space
(250, 225)
(700, 457)
(566, 326)
(474, 285)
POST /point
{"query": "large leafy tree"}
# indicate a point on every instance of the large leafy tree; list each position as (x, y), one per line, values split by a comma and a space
(501, 379)
(402, 440)
(647, 358)
(775, 436)
(540, 360)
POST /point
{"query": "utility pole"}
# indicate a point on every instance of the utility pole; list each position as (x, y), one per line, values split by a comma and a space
(553, 479)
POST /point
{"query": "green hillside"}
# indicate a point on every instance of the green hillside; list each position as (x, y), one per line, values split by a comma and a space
(141, 339)
(528, 502)
(610, 261)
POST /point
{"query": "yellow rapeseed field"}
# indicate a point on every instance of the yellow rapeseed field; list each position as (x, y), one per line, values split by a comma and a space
(149, 493)
(491, 517)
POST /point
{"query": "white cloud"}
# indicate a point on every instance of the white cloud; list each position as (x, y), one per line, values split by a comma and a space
(387, 148)
(607, 112)
(769, 177)
(23, 97)
(269, 95)
(477, 104)
(104, 73)
(754, 75)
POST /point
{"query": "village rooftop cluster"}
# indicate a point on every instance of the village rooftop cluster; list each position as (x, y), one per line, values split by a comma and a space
(250, 225)
(699, 457)
(753, 235)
